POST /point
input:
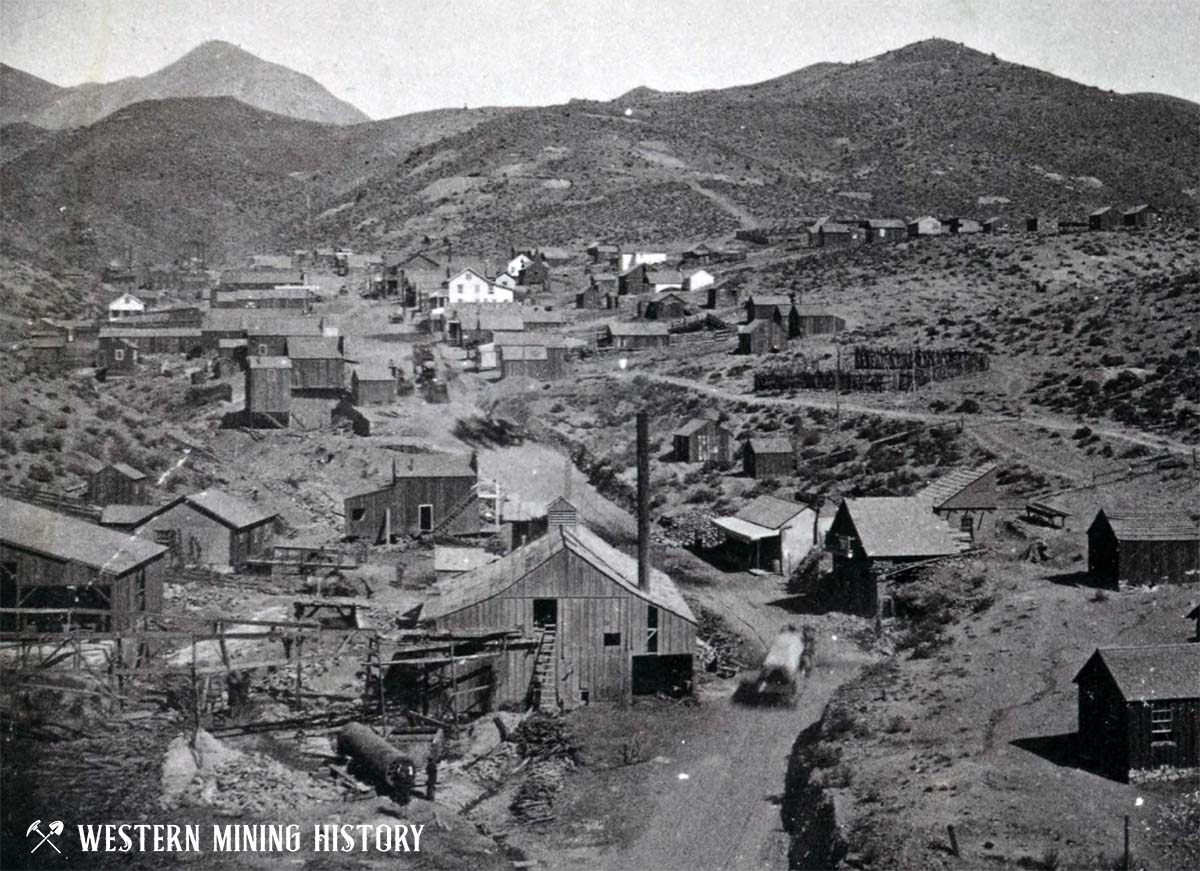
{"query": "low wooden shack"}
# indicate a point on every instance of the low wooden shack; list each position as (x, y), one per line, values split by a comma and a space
(768, 458)
(833, 234)
(47, 353)
(318, 364)
(547, 362)
(702, 440)
(117, 484)
(1141, 217)
(666, 307)
(152, 339)
(624, 336)
(966, 498)
(54, 562)
(1145, 546)
(769, 533)
(117, 357)
(373, 384)
(1041, 224)
(1105, 218)
(267, 333)
(762, 336)
(814, 320)
(211, 528)
(1139, 708)
(884, 229)
(428, 493)
(591, 297)
(995, 225)
(600, 636)
(269, 389)
(963, 226)
(764, 306)
(925, 226)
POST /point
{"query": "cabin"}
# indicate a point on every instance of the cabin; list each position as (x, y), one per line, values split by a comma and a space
(1144, 547)
(633, 280)
(267, 335)
(765, 306)
(995, 225)
(269, 390)
(698, 280)
(603, 253)
(545, 362)
(1106, 218)
(125, 305)
(46, 353)
(535, 318)
(373, 384)
(770, 534)
(1141, 217)
(661, 281)
(601, 636)
(637, 336)
(832, 234)
(668, 307)
(966, 499)
(318, 364)
(762, 336)
(764, 458)
(925, 226)
(884, 229)
(125, 518)
(293, 297)
(117, 484)
(963, 226)
(428, 494)
(1139, 708)
(535, 274)
(814, 320)
(1041, 224)
(117, 356)
(211, 528)
(590, 297)
(54, 562)
(702, 440)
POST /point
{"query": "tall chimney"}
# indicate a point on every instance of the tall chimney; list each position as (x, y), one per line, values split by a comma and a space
(643, 499)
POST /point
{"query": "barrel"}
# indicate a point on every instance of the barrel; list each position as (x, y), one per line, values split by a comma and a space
(377, 761)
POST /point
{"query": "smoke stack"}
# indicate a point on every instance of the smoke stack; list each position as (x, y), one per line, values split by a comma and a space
(643, 499)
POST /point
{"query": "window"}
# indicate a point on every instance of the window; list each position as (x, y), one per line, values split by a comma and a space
(651, 629)
(262, 350)
(358, 513)
(965, 524)
(612, 639)
(119, 355)
(1161, 727)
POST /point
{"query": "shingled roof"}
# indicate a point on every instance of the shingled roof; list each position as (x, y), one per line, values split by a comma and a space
(899, 527)
(770, 445)
(770, 511)
(226, 508)
(313, 348)
(1151, 525)
(945, 488)
(1151, 672)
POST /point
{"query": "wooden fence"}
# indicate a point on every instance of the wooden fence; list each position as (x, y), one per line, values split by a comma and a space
(867, 357)
(52, 500)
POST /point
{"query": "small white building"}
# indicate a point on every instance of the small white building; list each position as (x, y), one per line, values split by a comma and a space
(125, 305)
(471, 287)
(698, 280)
(637, 258)
(518, 264)
(506, 280)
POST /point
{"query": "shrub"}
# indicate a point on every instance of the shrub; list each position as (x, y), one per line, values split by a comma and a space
(968, 406)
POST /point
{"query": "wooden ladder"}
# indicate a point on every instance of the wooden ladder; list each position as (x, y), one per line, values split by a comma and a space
(544, 671)
(472, 498)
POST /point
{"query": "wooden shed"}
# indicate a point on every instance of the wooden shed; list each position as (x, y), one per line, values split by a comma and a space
(267, 334)
(1145, 546)
(428, 494)
(54, 562)
(546, 362)
(46, 353)
(966, 498)
(762, 336)
(636, 336)
(600, 636)
(1141, 217)
(815, 320)
(667, 307)
(269, 389)
(768, 458)
(884, 229)
(995, 225)
(1041, 224)
(832, 234)
(1106, 218)
(590, 297)
(963, 226)
(117, 357)
(117, 484)
(925, 226)
(763, 306)
(633, 280)
(153, 339)
(211, 528)
(769, 533)
(372, 384)
(318, 364)
(1139, 708)
(702, 440)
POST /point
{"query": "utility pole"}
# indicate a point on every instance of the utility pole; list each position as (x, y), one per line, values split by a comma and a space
(837, 377)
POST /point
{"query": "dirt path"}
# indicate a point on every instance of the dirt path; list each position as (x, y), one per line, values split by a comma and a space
(727, 205)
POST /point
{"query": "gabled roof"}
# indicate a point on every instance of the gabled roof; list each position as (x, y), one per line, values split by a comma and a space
(775, 299)
(126, 515)
(754, 326)
(945, 488)
(923, 218)
(640, 328)
(228, 509)
(1166, 524)
(149, 332)
(313, 348)
(1100, 211)
(374, 372)
(234, 277)
(493, 579)
(462, 272)
(543, 316)
(770, 512)
(836, 227)
(1139, 208)
(892, 527)
(661, 276)
(1151, 672)
(274, 325)
(885, 223)
(461, 559)
(128, 471)
(770, 445)
(694, 426)
(67, 538)
(433, 466)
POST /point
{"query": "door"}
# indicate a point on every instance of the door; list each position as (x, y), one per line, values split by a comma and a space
(425, 518)
(545, 612)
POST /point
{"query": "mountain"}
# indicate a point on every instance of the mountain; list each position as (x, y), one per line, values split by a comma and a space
(213, 69)
(22, 96)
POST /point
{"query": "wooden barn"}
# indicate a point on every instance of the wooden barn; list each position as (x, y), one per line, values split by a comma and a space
(117, 357)
(372, 384)
(428, 493)
(769, 533)
(768, 458)
(702, 440)
(1139, 708)
(667, 307)
(546, 362)
(211, 528)
(636, 336)
(872, 534)
(601, 637)
(762, 336)
(269, 389)
(1141, 217)
(884, 229)
(267, 334)
(995, 225)
(318, 363)
(117, 484)
(925, 226)
(967, 500)
(1106, 218)
(1147, 546)
(51, 561)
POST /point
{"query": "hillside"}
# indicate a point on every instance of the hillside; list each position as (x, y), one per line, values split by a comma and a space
(22, 96)
(213, 69)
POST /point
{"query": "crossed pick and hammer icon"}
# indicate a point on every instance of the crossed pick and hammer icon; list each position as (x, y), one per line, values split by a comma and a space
(56, 828)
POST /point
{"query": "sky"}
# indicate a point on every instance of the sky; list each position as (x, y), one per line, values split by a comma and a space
(390, 57)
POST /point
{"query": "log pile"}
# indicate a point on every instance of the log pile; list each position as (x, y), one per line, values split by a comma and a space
(720, 645)
(543, 737)
(551, 751)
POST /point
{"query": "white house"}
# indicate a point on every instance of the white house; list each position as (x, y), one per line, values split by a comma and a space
(517, 264)
(506, 280)
(125, 305)
(471, 287)
(637, 258)
(698, 280)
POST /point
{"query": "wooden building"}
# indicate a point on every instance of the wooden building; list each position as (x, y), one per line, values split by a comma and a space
(536, 318)
(633, 280)
(1139, 708)
(925, 226)
(702, 440)
(258, 279)
(1106, 218)
(767, 305)
(372, 384)
(832, 234)
(590, 297)
(667, 307)
(1041, 224)
(318, 364)
(600, 636)
(884, 229)
(603, 253)
(117, 356)
(269, 389)
(1141, 217)
(52, 561)
(211, 528)
(267, 335)
(117, 484)
(762, 336)
(151, 339)
(995, 225)
(963, 226)
(1146, 546)
(546, 362)
(47, 353)
(872, 535)
(294, 297)
(815, 320)
(428, 494)
(768, 458)
(769, 533)
(967, 500)
(637, 336)
(699, 279)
